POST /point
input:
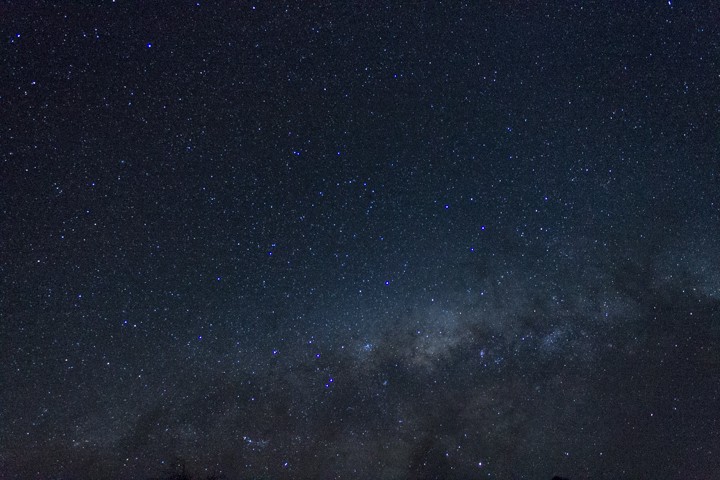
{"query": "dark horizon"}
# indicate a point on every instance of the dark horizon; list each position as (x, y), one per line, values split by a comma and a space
(360, 240)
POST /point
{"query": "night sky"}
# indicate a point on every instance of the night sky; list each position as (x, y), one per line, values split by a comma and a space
(360, 239)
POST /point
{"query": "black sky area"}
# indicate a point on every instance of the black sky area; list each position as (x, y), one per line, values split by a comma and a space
(371, 240)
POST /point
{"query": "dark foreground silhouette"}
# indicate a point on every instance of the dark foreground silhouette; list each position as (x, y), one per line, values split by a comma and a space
(181, 473)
